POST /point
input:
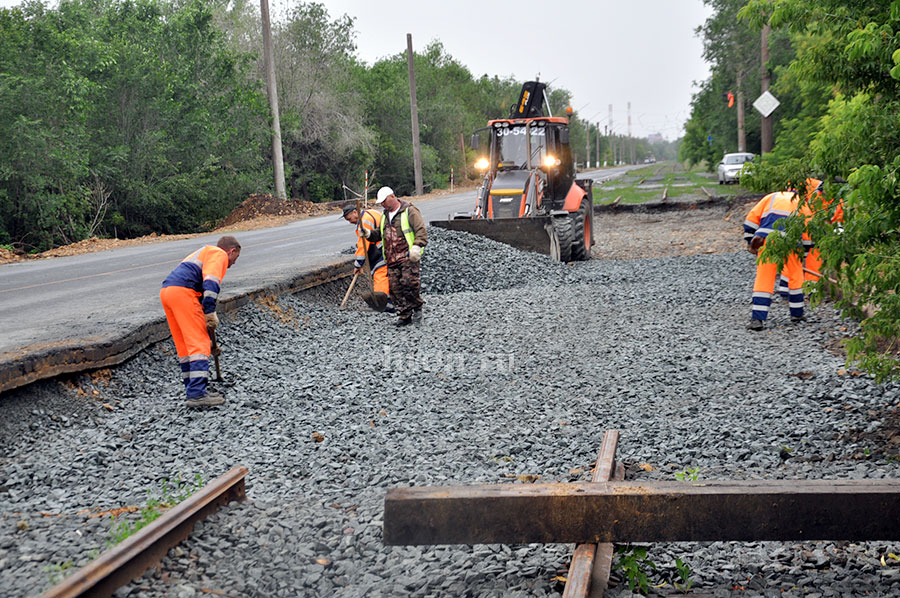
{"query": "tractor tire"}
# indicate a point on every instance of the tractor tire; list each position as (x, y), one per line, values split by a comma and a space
(562, 227)
(582, 232)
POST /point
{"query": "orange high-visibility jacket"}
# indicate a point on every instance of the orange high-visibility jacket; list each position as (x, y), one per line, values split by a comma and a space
(202, 271)
(370, 220)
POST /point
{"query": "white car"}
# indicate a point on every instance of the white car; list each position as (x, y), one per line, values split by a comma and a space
(729, 169)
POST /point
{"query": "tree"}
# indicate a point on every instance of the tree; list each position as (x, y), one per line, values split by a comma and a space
(850, 57)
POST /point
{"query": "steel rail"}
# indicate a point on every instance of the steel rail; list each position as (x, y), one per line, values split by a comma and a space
(144, 549)
(591, 563)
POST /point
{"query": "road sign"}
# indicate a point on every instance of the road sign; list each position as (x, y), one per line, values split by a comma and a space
(766, 103)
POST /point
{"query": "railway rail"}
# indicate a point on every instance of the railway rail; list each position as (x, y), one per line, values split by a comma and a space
(147, 547)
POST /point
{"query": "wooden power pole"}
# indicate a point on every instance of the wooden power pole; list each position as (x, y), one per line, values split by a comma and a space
(272, 91)
(766, 132)
(414, 115)
(741, 132)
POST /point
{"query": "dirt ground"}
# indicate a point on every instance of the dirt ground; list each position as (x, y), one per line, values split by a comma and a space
(629, 235)
(256, 212)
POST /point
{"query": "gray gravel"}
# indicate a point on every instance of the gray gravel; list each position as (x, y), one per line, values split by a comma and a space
(520, 365)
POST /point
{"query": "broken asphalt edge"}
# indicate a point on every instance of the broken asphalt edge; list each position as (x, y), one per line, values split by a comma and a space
(24, 366)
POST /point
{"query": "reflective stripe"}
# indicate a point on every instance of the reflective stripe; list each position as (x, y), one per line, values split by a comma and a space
(197, 357)
(761, 295)
(210, 294)
(196, 374)
(213, 278)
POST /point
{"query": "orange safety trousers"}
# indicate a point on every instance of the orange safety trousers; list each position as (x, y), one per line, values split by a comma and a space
(380, 281)
(184, 313)
(814, 263)
(764, 284)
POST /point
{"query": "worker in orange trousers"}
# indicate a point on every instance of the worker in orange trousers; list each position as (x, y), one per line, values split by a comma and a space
(189, 295)
(762, 221)
(379, 299)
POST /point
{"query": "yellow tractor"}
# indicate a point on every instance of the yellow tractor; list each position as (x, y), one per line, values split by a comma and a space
(530, 197)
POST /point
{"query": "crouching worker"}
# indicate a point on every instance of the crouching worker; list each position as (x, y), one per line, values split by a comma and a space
(762, 221)
(379, 299)
(189, 294)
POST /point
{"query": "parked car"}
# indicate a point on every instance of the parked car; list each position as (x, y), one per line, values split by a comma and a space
(729, 169)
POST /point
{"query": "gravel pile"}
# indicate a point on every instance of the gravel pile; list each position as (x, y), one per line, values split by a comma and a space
(519, 367)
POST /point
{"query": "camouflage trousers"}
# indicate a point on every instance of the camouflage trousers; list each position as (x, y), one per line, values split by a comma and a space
(403, 280)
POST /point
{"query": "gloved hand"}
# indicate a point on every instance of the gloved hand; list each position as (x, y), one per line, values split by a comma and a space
(415, 253)
(357, 270)
(212, 320)
(367, 233)
(756, 244)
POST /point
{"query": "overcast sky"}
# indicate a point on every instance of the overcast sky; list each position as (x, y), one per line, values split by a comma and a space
(604, 52)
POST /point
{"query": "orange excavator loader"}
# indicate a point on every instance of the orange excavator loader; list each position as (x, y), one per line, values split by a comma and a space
(529, 197)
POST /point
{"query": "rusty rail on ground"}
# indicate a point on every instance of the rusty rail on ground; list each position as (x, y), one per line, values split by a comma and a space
(141, 551)
(591, 563)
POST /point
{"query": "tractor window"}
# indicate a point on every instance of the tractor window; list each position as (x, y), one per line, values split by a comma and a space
(512, 149)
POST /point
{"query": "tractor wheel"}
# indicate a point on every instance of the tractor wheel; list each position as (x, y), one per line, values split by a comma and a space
(582, 232)
(562, 226)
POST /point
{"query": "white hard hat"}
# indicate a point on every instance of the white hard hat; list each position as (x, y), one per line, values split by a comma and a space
(383, 193)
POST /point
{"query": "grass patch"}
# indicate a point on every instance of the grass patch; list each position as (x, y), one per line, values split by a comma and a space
(648, 183)
(155, 507)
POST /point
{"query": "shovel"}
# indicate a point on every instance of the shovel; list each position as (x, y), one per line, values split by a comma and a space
(216, 351)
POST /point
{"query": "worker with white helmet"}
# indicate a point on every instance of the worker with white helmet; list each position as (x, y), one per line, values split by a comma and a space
(403, 238)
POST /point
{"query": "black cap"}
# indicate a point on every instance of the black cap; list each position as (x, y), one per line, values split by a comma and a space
(347, 208)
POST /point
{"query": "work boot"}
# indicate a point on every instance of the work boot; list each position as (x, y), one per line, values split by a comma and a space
(756, 324)
(389, 308)
(797, 319)
(369, 298)
(403, 322)
(417, 316)
(210, 399)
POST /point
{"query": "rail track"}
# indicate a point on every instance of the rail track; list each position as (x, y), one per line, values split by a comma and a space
(144, 549)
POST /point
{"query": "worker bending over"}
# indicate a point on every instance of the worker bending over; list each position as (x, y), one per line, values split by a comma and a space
(189, 294)
(379, 299)
(759, 224)
(403, 236)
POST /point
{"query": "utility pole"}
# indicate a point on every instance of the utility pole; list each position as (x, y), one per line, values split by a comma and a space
(462, 146)
(612, 142)
(597, 164)
(272, 92)
(414, 115)
(630, 138)
(742, 133)
(587, 145)
(766, 128)
(606, 134)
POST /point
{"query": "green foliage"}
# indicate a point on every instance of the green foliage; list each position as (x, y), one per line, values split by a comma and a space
(58, 571)
(688, 475)
(155, 507)
(842, 120)
(129, 108)
(636, 566)
(684, 582)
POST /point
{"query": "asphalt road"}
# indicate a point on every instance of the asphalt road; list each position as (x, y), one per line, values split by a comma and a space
(52, 302)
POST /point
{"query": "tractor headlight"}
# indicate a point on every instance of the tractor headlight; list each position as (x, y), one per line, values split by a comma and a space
(550, 161)
(482, 163)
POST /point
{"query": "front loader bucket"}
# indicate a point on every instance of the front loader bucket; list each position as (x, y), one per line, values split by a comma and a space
(530, 234)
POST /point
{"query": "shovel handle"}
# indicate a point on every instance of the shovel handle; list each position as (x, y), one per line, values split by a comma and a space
(215, 350)
(349, 290)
